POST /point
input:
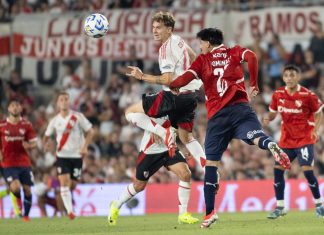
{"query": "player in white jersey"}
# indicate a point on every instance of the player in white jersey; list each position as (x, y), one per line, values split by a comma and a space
(73, 135)
(175, 57)
(153, 155)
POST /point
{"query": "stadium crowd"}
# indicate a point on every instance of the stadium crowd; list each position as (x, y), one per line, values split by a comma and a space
(113, 153)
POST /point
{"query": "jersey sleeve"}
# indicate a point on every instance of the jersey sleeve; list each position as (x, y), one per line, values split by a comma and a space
(50, 128)
(84, 122)
(316, 104)
(30, 134)
(273, 107)
(196, 67)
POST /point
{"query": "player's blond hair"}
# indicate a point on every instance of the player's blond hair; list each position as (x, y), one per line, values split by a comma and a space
(165, 17)
(60, 93)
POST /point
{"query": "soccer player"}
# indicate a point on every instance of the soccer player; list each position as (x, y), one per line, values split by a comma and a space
(69, 127)
(301, 112)
(174, 58)
(229, 115)
(153, 155)
(17, 137)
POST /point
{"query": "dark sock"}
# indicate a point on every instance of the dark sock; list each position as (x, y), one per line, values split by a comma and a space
(279, 183)
(313, 183)
(264, 142)
(210, 187)
(27, 204)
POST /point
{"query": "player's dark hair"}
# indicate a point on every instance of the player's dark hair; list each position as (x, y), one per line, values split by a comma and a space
(292, 67)
(165, 17)
(13, 100)
(212, 35)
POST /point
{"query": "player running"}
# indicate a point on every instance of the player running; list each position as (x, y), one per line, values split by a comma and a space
(69, 127)
(17, 137)
(153, 155)
(301, 112)
(229, 114)
(175, 57)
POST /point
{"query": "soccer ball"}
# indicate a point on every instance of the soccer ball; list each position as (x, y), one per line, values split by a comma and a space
(96, 25)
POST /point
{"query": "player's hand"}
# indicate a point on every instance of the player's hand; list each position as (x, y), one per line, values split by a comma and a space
(26, 145)
(254, 92)
(1, 157)
(265, 121)
(157, 139)
(84, 151)
(315, 135)
(175, 91)
(134, 72)
(46, 147)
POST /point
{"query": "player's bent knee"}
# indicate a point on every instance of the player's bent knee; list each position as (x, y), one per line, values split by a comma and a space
(139, 186)
(185, 175)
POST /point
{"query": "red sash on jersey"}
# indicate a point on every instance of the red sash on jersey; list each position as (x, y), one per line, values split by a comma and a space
(67, 132)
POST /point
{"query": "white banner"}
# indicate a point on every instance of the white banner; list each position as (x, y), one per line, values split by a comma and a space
(90, 200)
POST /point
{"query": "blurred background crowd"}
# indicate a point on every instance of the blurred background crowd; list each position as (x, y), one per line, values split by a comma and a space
(112, 155)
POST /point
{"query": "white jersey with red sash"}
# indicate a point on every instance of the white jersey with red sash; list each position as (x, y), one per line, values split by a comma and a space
(69, 132)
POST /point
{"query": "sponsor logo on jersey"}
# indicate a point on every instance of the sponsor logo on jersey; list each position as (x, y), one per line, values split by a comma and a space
(287, 110)
(251, 134)
(13, 138)
(22, 131)
(298, 103)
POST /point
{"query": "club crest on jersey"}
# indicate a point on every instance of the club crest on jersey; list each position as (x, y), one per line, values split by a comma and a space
(22, 131)
(298, 103)
(7, 132)
(146, 174)
(72, 122)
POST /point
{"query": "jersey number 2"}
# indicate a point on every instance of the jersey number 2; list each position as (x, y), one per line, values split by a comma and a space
(221, 84)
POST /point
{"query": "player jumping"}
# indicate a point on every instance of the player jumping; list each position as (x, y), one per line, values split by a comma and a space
(229, 114)
(175, 57)
(151, 158)
(69, 127)
(301, 112)
(17, 137)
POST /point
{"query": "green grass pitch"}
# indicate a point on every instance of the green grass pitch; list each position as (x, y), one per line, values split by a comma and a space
(230, 223)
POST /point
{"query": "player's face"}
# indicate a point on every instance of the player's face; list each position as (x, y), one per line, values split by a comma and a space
(291, 78)
(160, 32)
(204, 46)
(14, 109)
(63, 102)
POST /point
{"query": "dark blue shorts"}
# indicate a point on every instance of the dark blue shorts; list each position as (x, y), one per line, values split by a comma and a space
(236, 121)
(23, 174)
(305, 155)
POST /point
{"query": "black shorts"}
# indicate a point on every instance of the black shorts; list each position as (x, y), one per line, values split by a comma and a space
(147, 165)
(23, 174)
(180, 108)
(72, 166)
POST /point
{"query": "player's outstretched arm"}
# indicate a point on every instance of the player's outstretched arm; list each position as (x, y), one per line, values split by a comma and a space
(318, 119)
(251, 59)
(182, 80)
(163, 79)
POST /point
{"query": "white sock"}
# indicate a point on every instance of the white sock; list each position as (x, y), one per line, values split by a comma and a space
(126, 195)
(318, 201)
(196, 150)
(146, 123)
(67, 199)
(280, 203)
(183, 195)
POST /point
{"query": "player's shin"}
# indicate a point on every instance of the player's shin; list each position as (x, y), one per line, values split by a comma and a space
(183, 196)
(27, 204)
(67, 199)
(146, 123)
(279, 186)
(126, 195)
(313, 185)
(197, 152)
(211, 185)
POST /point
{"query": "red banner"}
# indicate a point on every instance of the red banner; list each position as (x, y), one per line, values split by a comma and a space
(233, 196)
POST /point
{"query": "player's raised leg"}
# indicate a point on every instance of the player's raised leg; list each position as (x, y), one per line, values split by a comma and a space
(181, 169)
(130, 191)
(136, 115)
